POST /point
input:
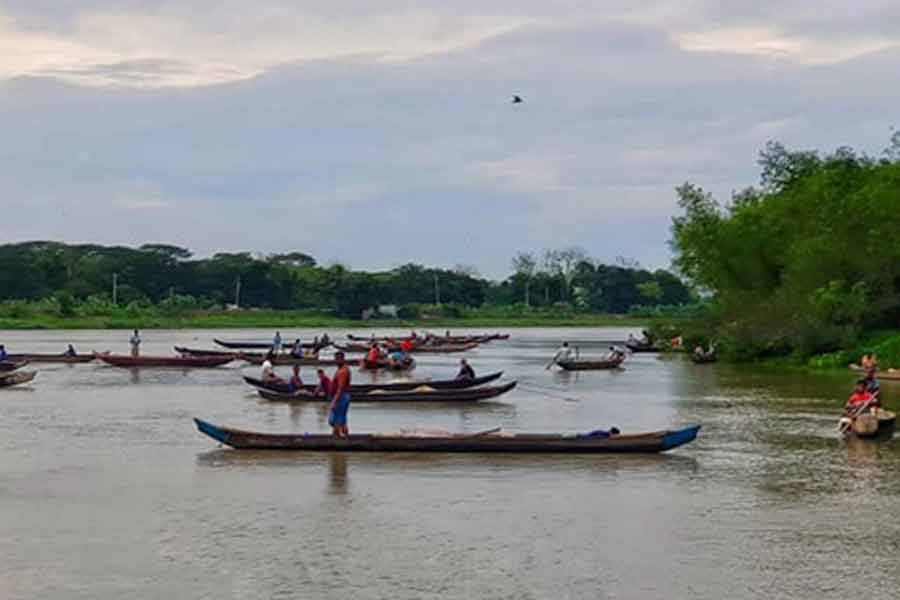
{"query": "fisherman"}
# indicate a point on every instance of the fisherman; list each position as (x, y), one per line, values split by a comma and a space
(374, 355)
(295, 383)
(398, 358)
(297, 349)
(873, 387)
(4, 356)
(465, 370)
(324, 387)
(860, 400)
(340, 401)
(564, 354)
(276, 342)
(135, 342)
(615, 353)
(268, 371)
(407, 345)
(325, 341)
(70, 351)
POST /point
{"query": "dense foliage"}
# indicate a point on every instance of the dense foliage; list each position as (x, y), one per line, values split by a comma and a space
(807, 262)
(79, 279)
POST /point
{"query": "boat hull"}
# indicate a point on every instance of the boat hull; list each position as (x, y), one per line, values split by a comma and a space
(16, 378)
(446, 384)
(590, 365)
(8, 366)
(53, 358)
(179, 362)
(654, 442)
(414, 395)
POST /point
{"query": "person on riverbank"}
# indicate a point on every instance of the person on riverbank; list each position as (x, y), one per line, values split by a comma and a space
(135, 342)
(340, 400)
(563, 354)
(465, 370)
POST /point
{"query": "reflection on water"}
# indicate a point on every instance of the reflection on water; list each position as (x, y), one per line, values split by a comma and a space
(106, 487)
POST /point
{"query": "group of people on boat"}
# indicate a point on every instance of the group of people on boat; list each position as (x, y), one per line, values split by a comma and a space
(866, 396)
(336, 390)
(396, 357)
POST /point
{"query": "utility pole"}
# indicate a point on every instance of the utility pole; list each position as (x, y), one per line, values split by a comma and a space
(237, 292)
(437, 291)
(115, 289)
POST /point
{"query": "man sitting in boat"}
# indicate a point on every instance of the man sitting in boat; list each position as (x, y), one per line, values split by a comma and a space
(4, 356)
(295, 383)
(297, 349)
(324, 387)
(268, 372)
(860, 400)
(465, 370)
(563, 354)
(70, 351)
(407, 346)
(398, 358)
(374, 355)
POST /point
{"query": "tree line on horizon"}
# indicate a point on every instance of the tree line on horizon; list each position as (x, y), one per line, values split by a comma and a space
(104, 277)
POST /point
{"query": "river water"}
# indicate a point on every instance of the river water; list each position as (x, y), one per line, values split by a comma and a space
(108, 492)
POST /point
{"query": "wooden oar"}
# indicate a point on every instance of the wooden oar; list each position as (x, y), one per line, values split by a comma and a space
(485, 432)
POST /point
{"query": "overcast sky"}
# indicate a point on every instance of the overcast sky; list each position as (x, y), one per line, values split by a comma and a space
(377, 133)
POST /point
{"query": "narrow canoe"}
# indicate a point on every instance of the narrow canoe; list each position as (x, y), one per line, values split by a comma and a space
(238, 344)
(435, 339)
(427, 348)
(203, 352)
(52, 358)
(641, 347)
(288, 360)
(887, 374)
(184, 362)
(590, 365)
(704, 359)
(421, 394)
(444, 384)
(8, 366)
(534, 443)
(408, 365)
(15, 378)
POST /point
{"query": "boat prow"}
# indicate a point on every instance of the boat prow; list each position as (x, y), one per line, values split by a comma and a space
(680, 437)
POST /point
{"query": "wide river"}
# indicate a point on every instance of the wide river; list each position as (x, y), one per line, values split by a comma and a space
(108, 492)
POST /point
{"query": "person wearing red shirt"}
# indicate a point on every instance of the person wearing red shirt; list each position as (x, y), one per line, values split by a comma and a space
(407, 346)
(340, 400)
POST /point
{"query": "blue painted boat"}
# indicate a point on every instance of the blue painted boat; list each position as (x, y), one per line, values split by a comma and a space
(493, 441)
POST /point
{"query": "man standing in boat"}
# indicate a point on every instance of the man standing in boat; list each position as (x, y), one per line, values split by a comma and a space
(135, 342)
(340, 400)
(564, 354)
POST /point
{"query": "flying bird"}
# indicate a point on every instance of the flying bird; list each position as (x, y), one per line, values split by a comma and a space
(516, 99)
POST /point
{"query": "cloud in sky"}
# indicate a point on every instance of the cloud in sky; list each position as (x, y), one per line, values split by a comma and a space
(378, 133)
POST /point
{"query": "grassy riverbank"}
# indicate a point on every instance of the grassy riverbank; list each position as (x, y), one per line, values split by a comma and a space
(300, 319)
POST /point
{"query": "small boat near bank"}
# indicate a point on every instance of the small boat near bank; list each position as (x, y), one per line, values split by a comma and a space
(422, 393)
(10, 379)
(491, 441)
(420, 349)
(638, 347)
(8, 366)
(591, 365)
(181, 362)
(363, 388)
(37, 357)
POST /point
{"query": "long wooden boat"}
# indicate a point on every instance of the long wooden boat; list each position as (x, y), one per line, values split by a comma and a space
(424, 348)
(8, 366)
(204, 352)
(373, 365)
(52, 358)
(431, 339)
(484, 442)
(16, 378)
(184, 362)
(641, 347)
(887, 374)
(396, 386)
(591, 365)
(249, 345)
(420, 394)
(288, 360)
